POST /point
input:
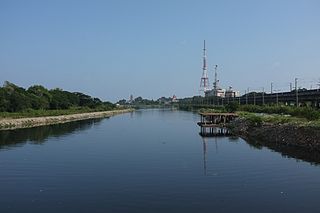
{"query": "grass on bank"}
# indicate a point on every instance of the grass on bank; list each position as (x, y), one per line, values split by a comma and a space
(308, 113)
(302, 116)
(42, 113)
(259, 118)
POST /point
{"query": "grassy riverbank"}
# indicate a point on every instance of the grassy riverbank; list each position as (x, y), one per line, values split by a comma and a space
(275, 125)
(19, 121)
(262, 118)
(42, 113)
(302, 116)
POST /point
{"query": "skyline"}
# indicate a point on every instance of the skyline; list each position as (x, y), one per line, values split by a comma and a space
(114, 49)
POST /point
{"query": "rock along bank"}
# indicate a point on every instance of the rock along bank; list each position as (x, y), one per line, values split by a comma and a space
(20, 123)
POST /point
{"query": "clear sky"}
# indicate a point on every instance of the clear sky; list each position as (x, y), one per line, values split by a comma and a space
(111, 49)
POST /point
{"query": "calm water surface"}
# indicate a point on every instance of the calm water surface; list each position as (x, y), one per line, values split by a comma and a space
(149, 161)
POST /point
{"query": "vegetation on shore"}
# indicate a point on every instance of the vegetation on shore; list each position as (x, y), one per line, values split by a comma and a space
(36, 101)
(308, 113)
(140, 102)
(257, 115)
(32, 121)
(41, 112)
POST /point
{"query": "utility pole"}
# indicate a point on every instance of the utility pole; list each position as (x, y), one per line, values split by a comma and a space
(277, 91)
(290, 86)
(271, 87)
(296, 88)
(262, 95)
(215, 83)
(246, 97)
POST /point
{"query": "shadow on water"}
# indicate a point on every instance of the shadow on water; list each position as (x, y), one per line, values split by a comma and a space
(38, 135)
(299, 153)
(210, 132)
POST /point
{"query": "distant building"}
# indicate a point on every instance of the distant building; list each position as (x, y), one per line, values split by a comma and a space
(230, 93)
(218, 92)
(174, 99)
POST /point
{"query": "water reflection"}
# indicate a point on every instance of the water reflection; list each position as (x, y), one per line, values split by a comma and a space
(38, 135)
(299, 153)
(205, 156)
(205, 151)
(214, 132)
(123, 166)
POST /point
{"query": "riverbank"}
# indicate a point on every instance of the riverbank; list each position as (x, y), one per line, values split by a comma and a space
(275, 125)
(20, 123)
(277, 134)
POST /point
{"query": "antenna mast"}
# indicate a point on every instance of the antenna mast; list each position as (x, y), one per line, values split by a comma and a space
(215, 83)
(204, 83)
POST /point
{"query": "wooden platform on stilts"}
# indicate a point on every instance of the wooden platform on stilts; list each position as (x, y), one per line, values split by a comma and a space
(213, 124)
(215, 119)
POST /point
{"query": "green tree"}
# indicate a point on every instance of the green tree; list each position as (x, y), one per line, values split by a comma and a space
(63, 99)
(14, 99)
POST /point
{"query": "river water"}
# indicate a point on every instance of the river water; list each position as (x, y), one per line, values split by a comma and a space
(149, 161)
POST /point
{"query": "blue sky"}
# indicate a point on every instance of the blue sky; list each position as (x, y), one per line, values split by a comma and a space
(111, 49)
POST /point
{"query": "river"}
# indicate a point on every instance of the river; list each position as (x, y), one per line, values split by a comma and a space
(149, 161)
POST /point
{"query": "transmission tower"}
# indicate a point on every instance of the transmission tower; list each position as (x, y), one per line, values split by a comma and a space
(204, 82)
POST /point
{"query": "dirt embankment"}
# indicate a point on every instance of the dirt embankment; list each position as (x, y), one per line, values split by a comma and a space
(278, 134)
(9, 123)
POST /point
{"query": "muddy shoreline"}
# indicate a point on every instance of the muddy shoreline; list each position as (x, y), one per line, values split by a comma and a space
(21, 123)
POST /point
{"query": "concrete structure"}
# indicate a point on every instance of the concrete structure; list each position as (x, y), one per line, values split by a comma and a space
(230, 93)
(215, 92)
(218, 91)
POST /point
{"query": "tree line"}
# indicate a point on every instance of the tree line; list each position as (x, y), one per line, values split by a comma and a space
(142, 101)
(16, 99)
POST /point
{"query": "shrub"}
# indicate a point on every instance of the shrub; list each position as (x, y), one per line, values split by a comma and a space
(254, 120)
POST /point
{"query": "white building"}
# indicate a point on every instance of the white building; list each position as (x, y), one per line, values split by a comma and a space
(215, 92)
(230, 93)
